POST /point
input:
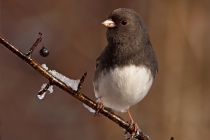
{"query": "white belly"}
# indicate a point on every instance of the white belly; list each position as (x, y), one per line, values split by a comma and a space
(123, 87)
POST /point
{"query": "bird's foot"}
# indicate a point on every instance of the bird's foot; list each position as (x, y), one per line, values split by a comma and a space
(135, 132)
(136, 127)
(132, 123)
(100, 106)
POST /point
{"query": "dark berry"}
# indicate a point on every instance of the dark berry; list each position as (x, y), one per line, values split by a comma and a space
(44, 52)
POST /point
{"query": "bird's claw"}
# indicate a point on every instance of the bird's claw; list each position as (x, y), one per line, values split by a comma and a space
(136, 127)
(100, 107)
(135, 133)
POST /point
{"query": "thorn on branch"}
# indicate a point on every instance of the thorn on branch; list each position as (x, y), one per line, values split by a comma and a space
(81, 82)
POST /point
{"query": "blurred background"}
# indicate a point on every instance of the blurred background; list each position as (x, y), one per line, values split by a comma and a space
(177, 105)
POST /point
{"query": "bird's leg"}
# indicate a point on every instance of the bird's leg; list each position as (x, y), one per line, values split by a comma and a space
(100, 106)
(136, 127)
(133, 125)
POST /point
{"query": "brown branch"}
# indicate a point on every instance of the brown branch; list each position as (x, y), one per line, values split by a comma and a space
(82, 79)
(81, 97)
(34, 45)
(44, 89)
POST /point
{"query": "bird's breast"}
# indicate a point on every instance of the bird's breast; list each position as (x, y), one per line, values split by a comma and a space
(121, 87)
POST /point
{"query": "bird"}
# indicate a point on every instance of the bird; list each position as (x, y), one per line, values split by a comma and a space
(126, 68)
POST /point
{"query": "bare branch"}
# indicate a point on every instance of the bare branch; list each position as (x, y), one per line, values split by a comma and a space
(44, 89)
(81, 82)
(81, 97)
(34, 45)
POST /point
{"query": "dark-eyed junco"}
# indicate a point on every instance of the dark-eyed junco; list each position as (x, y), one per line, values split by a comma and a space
(126, 68)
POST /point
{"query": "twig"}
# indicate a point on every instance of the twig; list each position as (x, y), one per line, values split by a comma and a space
(44, 89)
(81, 97)
(81, 82)
(34, 45)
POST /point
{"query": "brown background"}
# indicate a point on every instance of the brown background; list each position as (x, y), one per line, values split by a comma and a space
(178, 103)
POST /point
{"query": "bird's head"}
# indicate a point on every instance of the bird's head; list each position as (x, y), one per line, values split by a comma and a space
(125, 25)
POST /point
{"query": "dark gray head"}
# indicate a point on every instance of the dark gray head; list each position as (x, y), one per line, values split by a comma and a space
(128, 42)
(125, 25)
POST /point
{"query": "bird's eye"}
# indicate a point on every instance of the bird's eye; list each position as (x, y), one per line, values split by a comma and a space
(123, 22)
